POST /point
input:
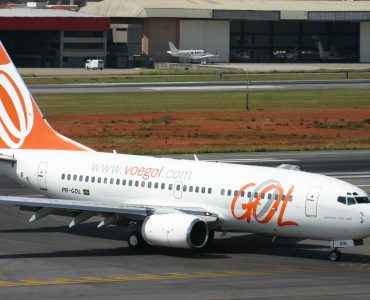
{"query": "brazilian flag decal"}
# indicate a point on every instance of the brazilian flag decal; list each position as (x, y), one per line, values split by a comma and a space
(86, 192)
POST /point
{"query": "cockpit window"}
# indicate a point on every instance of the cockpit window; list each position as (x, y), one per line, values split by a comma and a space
(362, 200)
(342, 200)
(351, 201)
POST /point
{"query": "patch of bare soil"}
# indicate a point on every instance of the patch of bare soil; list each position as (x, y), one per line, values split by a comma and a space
(168, 132)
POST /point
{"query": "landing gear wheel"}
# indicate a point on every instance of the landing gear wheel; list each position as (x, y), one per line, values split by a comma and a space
(135, 240)
(335, 255)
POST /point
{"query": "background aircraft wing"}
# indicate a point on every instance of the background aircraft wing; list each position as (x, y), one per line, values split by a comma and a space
(207, 55)
(82, 210)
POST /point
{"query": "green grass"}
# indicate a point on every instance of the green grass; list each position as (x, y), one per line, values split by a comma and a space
(195, 76)
(202, 101)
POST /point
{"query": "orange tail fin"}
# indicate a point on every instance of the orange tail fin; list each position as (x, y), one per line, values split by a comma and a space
(22, 125)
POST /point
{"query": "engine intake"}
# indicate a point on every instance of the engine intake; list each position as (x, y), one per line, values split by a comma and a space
(175, 230)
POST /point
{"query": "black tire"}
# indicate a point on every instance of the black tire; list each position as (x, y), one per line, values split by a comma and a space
(335, 255)
(135, 240)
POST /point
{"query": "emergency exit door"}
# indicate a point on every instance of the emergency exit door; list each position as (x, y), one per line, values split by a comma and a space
(41, 175)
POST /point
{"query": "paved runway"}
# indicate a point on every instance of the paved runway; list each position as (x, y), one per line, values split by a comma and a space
(46, 260)
(196, 86)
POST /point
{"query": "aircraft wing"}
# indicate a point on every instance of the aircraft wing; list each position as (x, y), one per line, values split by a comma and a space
(207, 55)
(81, 210)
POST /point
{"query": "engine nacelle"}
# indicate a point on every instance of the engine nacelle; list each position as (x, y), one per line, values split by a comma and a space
(175, 230)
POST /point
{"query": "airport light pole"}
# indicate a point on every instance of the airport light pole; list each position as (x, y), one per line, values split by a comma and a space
(247, 94)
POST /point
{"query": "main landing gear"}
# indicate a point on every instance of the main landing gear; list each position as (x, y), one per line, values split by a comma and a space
(335, 254)
(135, 240)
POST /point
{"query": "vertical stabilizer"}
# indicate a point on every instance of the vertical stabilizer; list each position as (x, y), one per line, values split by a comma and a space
(172, 47)
(22, 125)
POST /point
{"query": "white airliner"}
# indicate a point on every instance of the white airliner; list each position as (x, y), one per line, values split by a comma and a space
(191, 55)
(167, 202)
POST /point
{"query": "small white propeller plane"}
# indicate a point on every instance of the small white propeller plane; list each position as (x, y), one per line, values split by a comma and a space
(167, 202)
(191, 55)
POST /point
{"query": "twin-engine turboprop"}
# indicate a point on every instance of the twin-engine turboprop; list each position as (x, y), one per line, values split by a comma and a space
(191, 54)
(167, 202)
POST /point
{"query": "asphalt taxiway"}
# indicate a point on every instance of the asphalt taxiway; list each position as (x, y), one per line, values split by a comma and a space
(197, 86)
(47, 260)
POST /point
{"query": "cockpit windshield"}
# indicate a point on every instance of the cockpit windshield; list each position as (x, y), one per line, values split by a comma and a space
(353, 200)
(362, 199)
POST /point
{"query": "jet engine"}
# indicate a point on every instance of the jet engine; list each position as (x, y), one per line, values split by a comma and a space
(177, 230)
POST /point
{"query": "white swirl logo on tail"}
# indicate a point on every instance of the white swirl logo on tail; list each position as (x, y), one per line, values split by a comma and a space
(16, 111)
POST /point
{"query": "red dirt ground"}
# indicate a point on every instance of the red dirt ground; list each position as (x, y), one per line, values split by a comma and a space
(192, 132)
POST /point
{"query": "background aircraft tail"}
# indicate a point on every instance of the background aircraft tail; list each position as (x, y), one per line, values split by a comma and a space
(172, 47)
(22, 125)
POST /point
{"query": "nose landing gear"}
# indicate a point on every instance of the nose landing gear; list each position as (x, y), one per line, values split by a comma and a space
(335, 254)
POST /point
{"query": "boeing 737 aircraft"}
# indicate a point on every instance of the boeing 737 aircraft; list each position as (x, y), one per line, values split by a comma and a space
(167, 202)
(190, 54)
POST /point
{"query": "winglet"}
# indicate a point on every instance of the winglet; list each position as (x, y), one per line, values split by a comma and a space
(22, 125)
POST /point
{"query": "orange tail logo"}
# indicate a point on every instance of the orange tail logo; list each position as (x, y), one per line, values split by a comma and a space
(22, 126)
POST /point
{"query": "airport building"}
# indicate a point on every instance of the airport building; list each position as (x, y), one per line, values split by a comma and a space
(48, 37)
(132, 32)
(242, 30)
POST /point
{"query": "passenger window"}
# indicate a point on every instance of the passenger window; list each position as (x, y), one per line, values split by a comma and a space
(255, 195)
(111, 181)
(74, 177)
(156, 185)
(190, 188)
(178, 187)
(93, 179)
(118, 181)
(163, 186)
(137, 183)
(69, 177)
(203, 190)
(222, 192)
(249, 195)
(263, 196)
(276, 196)
(63, 176)
(143, 184)
(209, 190)
(290, 198)
(235, 192)
(269, 196)
(99, 179)
(229, 192)
(342, 200)
(184, 188)
(81, 178)
(87, 179)
(149, 184)
(170, 187)
(283, 198)
(105, 180)
(242, 193)
(351, 201)
(123, 181)
(197, 189)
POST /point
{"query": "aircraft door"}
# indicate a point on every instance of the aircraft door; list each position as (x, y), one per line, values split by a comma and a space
(177, 189)
(41, 175)
(311, 201)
